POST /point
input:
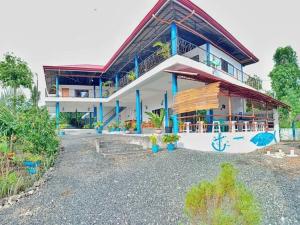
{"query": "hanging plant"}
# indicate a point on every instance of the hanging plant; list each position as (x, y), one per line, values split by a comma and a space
(164, 49)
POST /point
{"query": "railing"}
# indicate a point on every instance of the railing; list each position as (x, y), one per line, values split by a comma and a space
(199, 54)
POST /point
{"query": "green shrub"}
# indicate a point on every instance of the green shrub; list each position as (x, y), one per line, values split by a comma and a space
(153, 139)
(222, 202)
(170, 138)
(11, 184)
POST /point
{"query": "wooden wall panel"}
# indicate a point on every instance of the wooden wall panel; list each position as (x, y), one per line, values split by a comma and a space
(202, 98)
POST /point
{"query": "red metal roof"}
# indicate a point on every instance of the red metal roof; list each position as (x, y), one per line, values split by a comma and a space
(147, 18)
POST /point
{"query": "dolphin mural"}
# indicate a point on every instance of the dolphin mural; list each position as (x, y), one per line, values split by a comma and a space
(263, 139)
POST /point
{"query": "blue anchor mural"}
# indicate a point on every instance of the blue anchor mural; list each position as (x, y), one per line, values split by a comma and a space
(218, 144)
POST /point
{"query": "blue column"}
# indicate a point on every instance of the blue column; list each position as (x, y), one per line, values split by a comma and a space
(209, 119)
(117, 82)
(136, 67)
(138, 112)
(242, 70)
(117, 111)
(57, 86)
(166, 110)
(90, 121)
(141, 111)
(57, 115)
(208, 53)
(100, 105)
(174, 36)
(174, 92)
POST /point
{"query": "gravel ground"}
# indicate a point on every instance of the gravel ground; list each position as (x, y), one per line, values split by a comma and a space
(89, 189)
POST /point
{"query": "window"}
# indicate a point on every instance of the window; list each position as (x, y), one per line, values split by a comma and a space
(227, 67)
(82, 93)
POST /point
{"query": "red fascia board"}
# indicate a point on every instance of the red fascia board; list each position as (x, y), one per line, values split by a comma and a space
(74, 68)
(146, 19)
(218, 26)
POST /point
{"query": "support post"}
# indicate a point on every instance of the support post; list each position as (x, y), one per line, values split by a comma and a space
(101, 104)
(57, 115)
(174, 92)
(141, 111)
(166, 110)
(94, 91)
(90, 120)
(117, 111)
(57, 85)
(267, 117)
(210, 119)
(230, 112)
(136, 67)
(138, 111)
(117, 82)
(174, 38)
(208, 54)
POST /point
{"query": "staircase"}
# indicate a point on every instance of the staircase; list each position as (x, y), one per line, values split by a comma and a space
(119, 145)
(111, 115)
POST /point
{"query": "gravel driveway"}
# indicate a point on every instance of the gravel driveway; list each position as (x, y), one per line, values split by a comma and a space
(88, 189)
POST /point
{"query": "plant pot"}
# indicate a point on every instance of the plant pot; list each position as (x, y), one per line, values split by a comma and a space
(99, 130)
(118, 129)
(170, 147)
(158, 131)
(155, 148)
(28, 163)
(168, 130)
(61, 133)
(31, 170)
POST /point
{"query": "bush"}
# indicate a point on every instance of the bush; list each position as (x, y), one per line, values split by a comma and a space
(38, 131)
(153, 139)
(170, 138)
(222, 202)
(11, 184)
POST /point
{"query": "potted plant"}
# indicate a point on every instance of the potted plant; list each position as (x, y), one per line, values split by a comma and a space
(127, 127)
(111, 128)
(170, 140)
(155, 146)
(157, 120)
(32, 162)
(131, 76)
(164, 49)
(117, 126)
(98, 126)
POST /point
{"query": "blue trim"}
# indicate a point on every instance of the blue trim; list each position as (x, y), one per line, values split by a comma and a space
(136, 67)
(174, 35)
(174, 92)
(57, 85)
(208, 53)
(117, 110)
(166, 110)
(117, 82)
(141, 111)
(57, 112)
(90, 119)
(95, 112)
(138, 112)
(242, 69)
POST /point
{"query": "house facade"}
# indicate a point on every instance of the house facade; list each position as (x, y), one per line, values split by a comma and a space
(176, 53)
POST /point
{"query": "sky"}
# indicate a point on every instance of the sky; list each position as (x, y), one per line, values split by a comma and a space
(62, 32)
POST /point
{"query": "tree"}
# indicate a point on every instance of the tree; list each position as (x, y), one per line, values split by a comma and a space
(284, 56)
(15, 73)
(285, 74)
(35, 96)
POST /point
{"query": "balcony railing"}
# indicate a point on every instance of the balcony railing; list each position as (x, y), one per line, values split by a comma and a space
(199, 54)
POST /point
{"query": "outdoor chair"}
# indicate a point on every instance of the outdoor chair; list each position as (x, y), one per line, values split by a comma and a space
(216, 127)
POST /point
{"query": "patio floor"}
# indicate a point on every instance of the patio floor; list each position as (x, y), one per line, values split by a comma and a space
(87, 188)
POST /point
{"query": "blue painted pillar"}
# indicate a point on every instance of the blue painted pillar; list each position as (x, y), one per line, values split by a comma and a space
(242, 70)
(174, 38)
(166, 110)
(117, 82)
(57, 108)
(101, 104)
(90, 120)
(117, 111)
(57, 112)
(208, 54)
(57, 86)
(209, 119)
(94, 91)
(136, 67)
(294, 130)
(141, 111)
(174, 92)
(138, 112)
